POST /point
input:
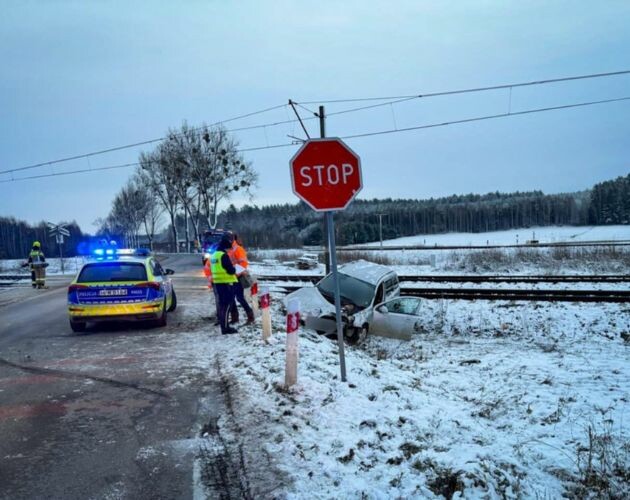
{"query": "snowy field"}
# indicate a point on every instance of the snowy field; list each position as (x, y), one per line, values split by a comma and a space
(490, 400)
(525, 260)
(547, 234)
(71, 266)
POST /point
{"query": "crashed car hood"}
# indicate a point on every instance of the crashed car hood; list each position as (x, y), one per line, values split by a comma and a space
(312, 303)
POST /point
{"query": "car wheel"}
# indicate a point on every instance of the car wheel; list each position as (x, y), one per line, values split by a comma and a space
(355, 336)
(162, 320)
(173, 302)
(77, 326)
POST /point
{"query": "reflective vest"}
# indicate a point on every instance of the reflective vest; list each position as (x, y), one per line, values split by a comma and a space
(238, 255)
(219, 275)
(36, 256)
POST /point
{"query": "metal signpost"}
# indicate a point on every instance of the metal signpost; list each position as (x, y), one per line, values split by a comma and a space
(59, 231)
(326, 174)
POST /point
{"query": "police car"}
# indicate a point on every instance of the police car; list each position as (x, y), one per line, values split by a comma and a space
(121, 285)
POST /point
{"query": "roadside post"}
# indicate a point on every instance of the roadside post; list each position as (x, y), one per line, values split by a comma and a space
(326, 174)
(265, 302)
(292, 354)
(59, 231)
(253, 290)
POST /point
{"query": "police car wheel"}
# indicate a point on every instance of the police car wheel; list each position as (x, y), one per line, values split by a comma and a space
(173, 302)
(77, 326)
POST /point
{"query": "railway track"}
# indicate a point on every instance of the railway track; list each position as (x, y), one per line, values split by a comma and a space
(490, 293)
(619, 296)
(601, 278)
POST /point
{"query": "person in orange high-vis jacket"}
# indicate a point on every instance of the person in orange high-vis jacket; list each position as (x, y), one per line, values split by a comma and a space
(238, 256)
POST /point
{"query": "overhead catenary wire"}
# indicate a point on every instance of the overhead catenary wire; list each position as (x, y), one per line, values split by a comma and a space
(392, 100)
(367, 134)
(136, 144)
(486, 117)
(474, 89)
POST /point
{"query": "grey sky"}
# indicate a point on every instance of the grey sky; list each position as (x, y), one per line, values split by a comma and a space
(81, 76)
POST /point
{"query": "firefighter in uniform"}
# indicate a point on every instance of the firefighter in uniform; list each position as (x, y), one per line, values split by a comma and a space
(238, 256)
(224, 281)
(37, 263)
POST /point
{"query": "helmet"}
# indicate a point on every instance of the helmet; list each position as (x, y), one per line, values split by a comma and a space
(37, 244)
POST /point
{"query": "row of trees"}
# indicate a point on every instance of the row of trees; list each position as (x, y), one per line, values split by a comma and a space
(610, 202)
(290, 225)
(185, 178)
(17, 237)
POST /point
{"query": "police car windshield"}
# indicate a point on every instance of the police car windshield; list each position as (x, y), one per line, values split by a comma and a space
(356, 291)
(112, 271)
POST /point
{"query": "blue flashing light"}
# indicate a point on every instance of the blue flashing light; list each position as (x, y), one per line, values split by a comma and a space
(109, 251)
(99, 251)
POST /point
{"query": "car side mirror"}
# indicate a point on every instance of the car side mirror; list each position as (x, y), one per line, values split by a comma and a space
(169, 271)
(382, 309)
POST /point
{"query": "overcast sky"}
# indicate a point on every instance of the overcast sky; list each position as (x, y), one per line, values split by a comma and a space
(82, 76)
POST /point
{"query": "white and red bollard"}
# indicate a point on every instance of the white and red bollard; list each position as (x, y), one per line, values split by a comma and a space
(253, 294)
(265, 302)
(293, 326)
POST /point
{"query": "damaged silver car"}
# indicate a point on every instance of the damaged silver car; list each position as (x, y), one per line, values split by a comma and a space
(362, 285)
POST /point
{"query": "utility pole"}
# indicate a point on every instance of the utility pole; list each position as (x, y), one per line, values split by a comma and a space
(380, 227)
(322, 134)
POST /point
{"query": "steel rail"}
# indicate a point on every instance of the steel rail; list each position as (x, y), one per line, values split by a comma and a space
(463, 278)
(504, 294)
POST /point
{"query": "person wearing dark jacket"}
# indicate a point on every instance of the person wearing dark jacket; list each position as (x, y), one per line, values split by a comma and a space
(224, 280)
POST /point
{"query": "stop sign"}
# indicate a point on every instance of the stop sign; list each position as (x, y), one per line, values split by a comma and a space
(326, 174)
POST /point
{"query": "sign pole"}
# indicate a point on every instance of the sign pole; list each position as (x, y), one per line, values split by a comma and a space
(322, 134)
(60, 241)
(333, 260)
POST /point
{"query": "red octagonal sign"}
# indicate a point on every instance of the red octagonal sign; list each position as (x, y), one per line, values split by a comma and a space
(326, 174)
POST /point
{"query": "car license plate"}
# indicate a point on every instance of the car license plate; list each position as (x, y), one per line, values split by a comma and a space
(113, 293)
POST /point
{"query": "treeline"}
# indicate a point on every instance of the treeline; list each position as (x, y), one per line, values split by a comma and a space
(610, 202)
(291, 225)
(17, 237)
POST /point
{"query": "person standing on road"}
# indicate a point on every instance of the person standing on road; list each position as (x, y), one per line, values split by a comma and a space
(224, 280)
(207, 271)
(37, 262)
(238, 256)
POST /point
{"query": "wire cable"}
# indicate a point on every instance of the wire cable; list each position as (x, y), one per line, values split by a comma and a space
(136, 144)
(486, 117)
(475, 89)
(391, 100)
(366, 134)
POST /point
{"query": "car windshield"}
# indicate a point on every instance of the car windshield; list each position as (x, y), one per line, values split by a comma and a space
(112, 271)
(351, 289)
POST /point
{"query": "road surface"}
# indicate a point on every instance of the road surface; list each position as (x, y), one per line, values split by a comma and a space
(118, 412)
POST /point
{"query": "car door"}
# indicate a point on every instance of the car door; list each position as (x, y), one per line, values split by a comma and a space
(397, 318)
(161, 277)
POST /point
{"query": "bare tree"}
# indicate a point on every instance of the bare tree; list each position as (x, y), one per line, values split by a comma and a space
(125, 217)
(150, 209)
(161, 179)
(218, 170)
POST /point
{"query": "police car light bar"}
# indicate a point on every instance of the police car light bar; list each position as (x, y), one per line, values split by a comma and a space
(111, 252)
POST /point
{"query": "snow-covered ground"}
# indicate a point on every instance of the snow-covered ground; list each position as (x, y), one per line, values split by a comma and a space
(71, 266)
(547, 234)
(532, 261)
(491, 400)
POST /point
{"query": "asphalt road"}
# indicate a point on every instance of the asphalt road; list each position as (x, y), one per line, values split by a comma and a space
(97, 415)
